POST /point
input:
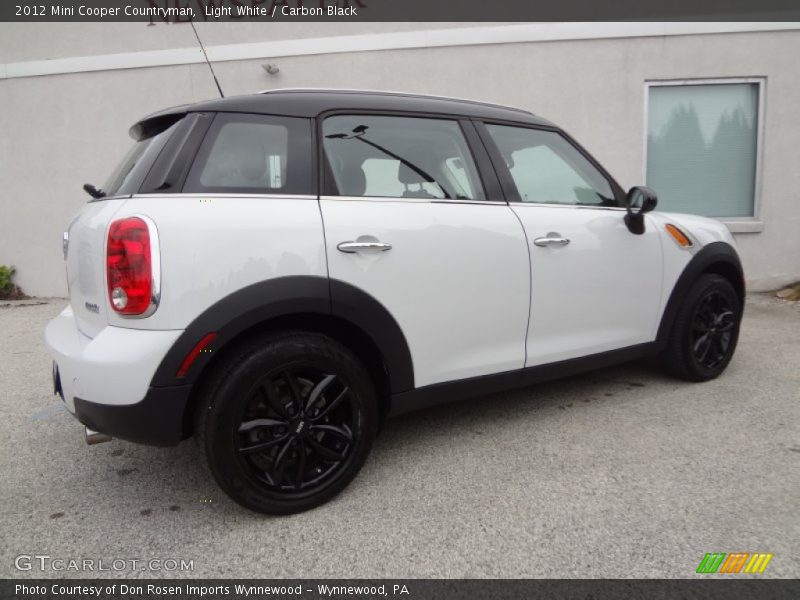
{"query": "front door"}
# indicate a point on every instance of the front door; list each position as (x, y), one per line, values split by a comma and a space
(408, 221)
(595, 285)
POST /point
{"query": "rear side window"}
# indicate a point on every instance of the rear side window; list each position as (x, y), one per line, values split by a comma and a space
(254, 154)
(131, 171)
(399, 157)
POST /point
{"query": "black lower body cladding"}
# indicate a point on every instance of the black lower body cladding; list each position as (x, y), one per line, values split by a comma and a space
(157, 420)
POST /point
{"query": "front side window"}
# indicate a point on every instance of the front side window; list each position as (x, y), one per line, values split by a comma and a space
(254, 154)
(547, 169)
(701, 147)
(399, 157)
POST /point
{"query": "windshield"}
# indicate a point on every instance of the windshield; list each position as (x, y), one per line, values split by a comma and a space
(133, 168)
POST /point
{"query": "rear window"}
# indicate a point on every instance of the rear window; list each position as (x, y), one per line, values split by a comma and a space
(254, 154)
(131, 171)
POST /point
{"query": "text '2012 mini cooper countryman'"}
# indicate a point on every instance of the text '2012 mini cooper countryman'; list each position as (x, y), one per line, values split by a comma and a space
(275, 274)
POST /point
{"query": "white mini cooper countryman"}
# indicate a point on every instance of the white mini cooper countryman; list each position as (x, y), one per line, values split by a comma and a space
(275, 274)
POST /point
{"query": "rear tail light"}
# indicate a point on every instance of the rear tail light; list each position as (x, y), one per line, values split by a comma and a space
(132, 266)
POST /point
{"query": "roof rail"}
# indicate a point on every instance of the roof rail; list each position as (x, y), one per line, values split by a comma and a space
(393, 93)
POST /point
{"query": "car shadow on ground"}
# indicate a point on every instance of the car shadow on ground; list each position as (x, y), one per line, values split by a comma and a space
(611, 385)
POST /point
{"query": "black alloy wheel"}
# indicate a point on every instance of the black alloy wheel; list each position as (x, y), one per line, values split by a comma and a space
(705, 331)
(712, 329)
(298, 429)
(287, 421)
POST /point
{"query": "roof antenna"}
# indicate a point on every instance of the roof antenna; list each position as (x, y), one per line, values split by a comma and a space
(208, 62)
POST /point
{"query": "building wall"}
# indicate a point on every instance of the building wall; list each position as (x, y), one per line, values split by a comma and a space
(62, 130)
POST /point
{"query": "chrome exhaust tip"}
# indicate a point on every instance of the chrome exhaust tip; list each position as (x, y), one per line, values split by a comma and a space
(95, 437)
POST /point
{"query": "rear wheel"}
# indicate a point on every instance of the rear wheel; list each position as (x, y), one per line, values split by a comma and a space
(287, 422)
(705, 331)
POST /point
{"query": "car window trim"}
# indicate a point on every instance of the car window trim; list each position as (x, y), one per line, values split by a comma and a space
(411, 200)
(504, 173)
(112, 197)
(269, 196)
(327, 186)
(492, 190)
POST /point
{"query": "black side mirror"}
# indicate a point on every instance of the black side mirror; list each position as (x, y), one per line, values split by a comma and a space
(640, 200)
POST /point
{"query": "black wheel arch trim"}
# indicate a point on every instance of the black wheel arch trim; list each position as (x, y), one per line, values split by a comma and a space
(716, 257)
(260, 302)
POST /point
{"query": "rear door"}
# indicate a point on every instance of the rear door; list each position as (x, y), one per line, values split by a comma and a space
(595, 286)
(411, 221)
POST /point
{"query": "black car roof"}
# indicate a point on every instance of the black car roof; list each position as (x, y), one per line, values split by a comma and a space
(311, 102)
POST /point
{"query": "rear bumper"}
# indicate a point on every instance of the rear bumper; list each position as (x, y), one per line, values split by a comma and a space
(157, 420)
(105, 380)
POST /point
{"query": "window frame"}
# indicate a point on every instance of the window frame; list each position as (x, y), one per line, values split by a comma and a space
(492, 189)
(746, 224)
(507, 180)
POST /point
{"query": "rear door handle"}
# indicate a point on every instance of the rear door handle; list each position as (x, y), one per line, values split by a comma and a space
(551, 239)
(351, 247)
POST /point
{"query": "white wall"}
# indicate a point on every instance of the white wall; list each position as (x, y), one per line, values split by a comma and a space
(62, 130)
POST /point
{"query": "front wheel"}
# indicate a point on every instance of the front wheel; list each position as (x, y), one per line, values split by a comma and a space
(287, 422)
(706, 329)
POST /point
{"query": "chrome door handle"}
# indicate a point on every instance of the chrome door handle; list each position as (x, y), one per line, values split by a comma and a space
(351, 247)
(551, 239)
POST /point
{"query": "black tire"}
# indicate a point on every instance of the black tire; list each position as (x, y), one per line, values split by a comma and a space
(265, 454)
(706, 330)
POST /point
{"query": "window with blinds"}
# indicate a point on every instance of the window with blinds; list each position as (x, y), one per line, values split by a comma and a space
(702, 141)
